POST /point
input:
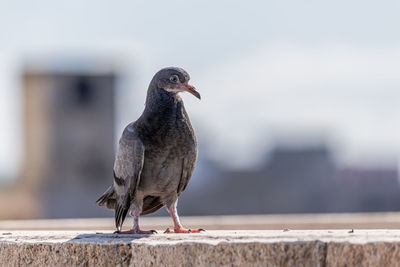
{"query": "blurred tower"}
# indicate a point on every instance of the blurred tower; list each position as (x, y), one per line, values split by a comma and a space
(69, 140)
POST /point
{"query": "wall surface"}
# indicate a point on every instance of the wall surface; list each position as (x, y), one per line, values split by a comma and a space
(211, 248)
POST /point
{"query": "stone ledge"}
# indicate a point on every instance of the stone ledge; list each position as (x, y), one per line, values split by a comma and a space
(212, 248)
(381, 220)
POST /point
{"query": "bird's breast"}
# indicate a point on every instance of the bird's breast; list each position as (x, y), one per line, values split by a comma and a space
(163, 162)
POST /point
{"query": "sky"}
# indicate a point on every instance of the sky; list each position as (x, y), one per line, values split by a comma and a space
(268, 71)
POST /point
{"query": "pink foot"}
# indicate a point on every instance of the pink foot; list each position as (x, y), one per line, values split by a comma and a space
(136, 231)
(183, 230)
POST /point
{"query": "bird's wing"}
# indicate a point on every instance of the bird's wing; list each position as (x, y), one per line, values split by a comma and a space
(127, 169)
(188, 164)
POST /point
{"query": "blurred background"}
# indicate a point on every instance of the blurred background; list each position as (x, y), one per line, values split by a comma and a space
(299, 112)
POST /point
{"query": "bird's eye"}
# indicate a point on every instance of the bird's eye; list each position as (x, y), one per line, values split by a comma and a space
(174, 78)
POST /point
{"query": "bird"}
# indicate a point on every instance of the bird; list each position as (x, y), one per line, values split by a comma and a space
(156, 155)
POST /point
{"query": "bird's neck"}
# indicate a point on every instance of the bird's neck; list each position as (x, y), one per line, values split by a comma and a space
(162, 107)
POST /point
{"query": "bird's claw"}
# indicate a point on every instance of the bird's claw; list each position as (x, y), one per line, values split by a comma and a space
(117, 232)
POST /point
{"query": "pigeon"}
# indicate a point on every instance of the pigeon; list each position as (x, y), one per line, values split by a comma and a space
(156, 155)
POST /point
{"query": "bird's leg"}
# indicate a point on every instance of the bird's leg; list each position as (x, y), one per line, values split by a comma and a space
(136, 229)
(177, 224)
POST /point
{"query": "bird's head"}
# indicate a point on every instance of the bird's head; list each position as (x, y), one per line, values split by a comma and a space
(174, 80)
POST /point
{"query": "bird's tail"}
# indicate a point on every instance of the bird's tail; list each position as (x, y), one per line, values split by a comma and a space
(108, 198)
(121, 206)
(121, 209)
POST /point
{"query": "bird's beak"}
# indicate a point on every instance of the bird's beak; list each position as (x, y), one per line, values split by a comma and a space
(191, 89)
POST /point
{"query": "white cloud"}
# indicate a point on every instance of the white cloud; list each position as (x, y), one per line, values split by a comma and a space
(342, 90)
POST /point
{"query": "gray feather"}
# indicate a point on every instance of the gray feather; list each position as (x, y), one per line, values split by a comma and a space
(127, 168)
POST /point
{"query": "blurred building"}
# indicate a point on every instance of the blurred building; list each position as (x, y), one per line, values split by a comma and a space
(294, 180)
(69, 144)
(69, 152)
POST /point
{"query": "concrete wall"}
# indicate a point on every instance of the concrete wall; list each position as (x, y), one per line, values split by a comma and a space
(212, 248)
